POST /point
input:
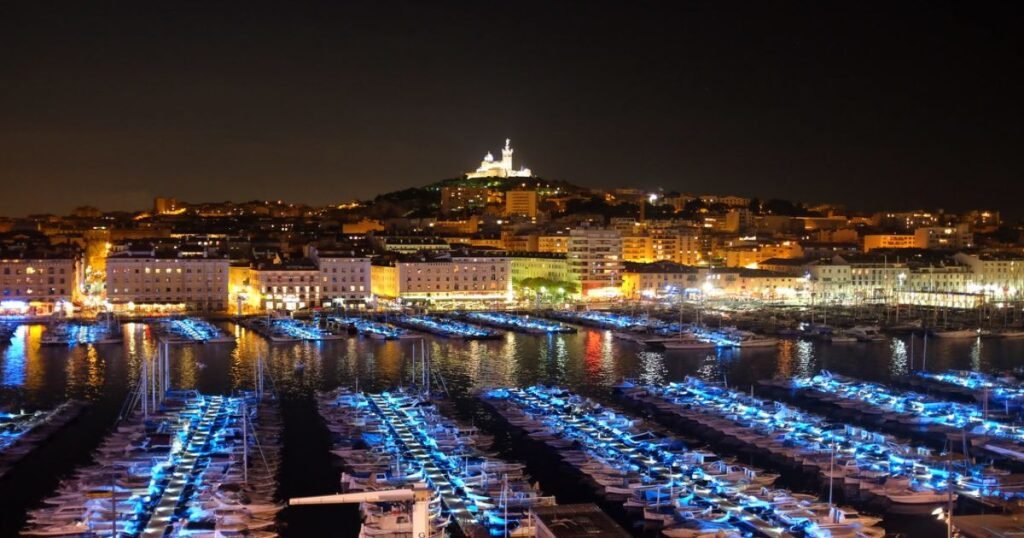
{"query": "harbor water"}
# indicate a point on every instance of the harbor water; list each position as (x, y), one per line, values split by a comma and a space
(590, 362)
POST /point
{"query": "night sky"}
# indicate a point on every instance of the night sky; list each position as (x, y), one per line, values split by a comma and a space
(862, 103)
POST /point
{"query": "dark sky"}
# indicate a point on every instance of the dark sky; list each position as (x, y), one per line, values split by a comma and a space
(888, 104)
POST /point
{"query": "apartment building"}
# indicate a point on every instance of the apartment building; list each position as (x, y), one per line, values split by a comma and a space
(595, 257)
(291, 285)
(37, 283)
(444, 280)
(344, 278)
(143, 281)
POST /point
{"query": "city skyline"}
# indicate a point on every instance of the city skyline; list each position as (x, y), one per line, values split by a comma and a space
(904, 106)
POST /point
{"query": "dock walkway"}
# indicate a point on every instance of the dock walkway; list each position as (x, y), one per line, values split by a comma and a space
(184, 469)
(400, 424)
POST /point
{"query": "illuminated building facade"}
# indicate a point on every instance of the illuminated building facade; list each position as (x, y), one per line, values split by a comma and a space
(595, 257)
(154, 282)
(889, 241)
(549, 266)
(553, 243)
(442, 279)
(37, 284)
(344, 278)
(521, 203)
(291, 285)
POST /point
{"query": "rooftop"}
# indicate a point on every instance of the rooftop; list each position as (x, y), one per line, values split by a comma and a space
(658, 267)
(575, 521)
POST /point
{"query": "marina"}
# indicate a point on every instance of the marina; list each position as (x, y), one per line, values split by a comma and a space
(367, 327)
(446, 327)
(22, 432)
(874, 467)
(518, 323)
(589, 361)
(181, 469)
(191, 330)
(688, 492)
(395, 440)
(285, 330)
(1000, 391)
(990, 434)
(80, 334)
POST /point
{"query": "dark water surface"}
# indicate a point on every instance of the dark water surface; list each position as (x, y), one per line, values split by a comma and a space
(590, 362)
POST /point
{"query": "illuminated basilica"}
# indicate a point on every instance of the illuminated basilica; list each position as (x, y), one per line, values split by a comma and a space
(503, 168)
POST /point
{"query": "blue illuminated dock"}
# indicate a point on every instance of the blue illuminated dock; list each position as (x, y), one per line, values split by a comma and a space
(446, 327)
(405, 432)
(280, 330)
(654, 471)
(374, 329)
(518, 323)
(987, 430)
(856, 456)
(192, 330)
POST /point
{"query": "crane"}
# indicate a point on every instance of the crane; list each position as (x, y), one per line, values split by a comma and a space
(420, 498)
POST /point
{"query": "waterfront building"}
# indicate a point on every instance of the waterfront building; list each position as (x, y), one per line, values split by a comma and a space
(490, 167)
(751, 253)
(595, 257)
(442, 279)
(519, 241)
(999, 276)
(344, 278)
(286, 285)
(544, 265)
(659, 279)
(38, 282)
(141, 280)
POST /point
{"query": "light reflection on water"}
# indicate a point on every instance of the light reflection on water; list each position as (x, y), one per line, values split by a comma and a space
(899, 364)
(590, 361)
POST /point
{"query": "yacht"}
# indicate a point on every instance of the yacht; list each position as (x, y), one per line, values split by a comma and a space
(685, 342)
(842, 337)
(956, 333)
(748, 339)
(867, 333)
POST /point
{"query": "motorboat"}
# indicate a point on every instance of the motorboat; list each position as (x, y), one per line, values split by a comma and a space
(956, 334)
(867, 333)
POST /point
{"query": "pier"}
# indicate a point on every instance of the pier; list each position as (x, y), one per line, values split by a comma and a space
(638, 461)
(185, 467)
(913, 413)
(446, 327)
(518, 323)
